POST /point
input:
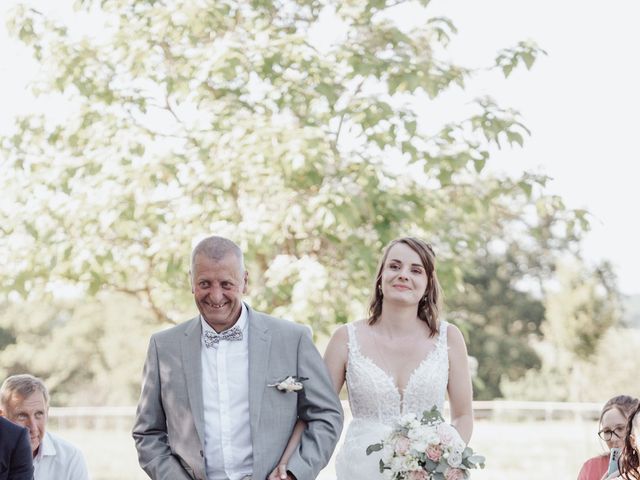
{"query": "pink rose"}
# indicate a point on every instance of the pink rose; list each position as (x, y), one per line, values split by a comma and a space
(418, 475)
(402, 445)
(450, 437)
(454, 474)
(434, 452)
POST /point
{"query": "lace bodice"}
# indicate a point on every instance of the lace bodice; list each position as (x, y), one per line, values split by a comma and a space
(373, 394)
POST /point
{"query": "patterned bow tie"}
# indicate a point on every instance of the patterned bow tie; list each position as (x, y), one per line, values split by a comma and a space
(211, 339)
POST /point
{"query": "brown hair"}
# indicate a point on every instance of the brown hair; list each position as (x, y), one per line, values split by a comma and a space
(429, 306)
(625, 404)
(629, 464)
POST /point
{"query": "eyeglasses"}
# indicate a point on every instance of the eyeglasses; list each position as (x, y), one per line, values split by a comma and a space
(607, 434)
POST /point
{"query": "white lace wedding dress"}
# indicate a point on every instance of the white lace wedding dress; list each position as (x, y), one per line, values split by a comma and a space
(376, 403)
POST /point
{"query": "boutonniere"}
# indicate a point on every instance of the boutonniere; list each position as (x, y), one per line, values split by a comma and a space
(289, 384)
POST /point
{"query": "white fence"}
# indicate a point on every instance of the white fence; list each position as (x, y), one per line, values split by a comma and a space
(118, 418)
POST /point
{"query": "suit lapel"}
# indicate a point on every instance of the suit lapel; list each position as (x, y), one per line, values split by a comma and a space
(259, 345)
(191, 343)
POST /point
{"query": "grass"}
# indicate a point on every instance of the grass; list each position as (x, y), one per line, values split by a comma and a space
(515, 450)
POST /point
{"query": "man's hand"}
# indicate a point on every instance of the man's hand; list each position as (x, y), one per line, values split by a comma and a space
(280, 473)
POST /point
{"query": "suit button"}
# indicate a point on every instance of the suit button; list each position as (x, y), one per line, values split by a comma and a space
(201, 454)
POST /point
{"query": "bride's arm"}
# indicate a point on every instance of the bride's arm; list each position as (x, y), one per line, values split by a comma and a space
(280, 472)
(459, 388)
(335, 358)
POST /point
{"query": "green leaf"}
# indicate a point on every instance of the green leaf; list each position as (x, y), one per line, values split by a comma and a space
(444, 177)
(31, 229)
(376, 447)
(95, 284)
(515, 137)
(526, 188)
(432, 416)
(529, 59)
(477, 459)
(411, 127)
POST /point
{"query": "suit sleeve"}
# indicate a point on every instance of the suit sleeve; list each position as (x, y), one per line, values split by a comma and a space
(150, 428)
(21, 465)
(320, 408)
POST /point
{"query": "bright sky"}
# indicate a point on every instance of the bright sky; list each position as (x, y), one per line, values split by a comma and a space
(581, 102)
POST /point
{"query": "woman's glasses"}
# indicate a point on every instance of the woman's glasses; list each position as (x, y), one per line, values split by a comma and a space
(607, 434)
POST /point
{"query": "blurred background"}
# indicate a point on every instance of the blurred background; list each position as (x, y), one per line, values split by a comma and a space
(313, 132)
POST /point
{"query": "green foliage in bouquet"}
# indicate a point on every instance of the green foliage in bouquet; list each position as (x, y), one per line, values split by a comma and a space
(425, 448)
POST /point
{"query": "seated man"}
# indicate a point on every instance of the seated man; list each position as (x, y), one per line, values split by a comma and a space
(24, 400)
(15, 452)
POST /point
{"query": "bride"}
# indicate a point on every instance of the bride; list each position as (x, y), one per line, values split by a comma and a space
(401, 360)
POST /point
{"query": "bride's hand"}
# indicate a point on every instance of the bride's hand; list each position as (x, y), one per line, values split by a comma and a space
(279, 473)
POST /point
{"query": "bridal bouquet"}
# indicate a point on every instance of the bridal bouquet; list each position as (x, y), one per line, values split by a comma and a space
(425, 448)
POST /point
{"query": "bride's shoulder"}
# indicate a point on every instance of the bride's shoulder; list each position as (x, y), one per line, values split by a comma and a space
(452, 330)
(338, 347)
(455, 338)
(341, 333)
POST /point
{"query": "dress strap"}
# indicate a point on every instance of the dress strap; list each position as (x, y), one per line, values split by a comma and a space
(353, 340)
(442, 335)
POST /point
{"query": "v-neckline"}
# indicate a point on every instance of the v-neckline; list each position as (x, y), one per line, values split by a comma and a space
(388, 376)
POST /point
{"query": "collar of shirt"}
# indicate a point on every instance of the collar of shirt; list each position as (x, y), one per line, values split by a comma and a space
(47, 448)
(241, 323)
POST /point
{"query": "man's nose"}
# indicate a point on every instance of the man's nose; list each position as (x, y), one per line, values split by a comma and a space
(215, 292)
(32, 425)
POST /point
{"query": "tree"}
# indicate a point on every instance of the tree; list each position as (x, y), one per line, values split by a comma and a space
(581, 309)
(580, 313)
(502, 318)
(233, 118)
(90, 352)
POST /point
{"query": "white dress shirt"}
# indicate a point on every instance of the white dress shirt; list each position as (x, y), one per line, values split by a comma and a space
(225, 391)
(57, 459)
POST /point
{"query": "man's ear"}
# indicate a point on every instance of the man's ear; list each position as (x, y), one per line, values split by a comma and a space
(191, 282)
(246, 282)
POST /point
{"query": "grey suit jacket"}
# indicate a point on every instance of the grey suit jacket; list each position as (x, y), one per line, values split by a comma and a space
(169, 425)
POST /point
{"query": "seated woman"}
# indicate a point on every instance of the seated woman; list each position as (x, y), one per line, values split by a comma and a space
(629, 462)
(613, 421)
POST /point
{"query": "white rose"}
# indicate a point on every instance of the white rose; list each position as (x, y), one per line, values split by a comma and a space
(421, 437)
(409, 422)
(388, 474)
(397, 464)
(455, 459)
(432, 437)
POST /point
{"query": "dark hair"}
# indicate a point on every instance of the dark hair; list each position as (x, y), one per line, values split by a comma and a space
(429, 306)
(629, 464)
(625, 404)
